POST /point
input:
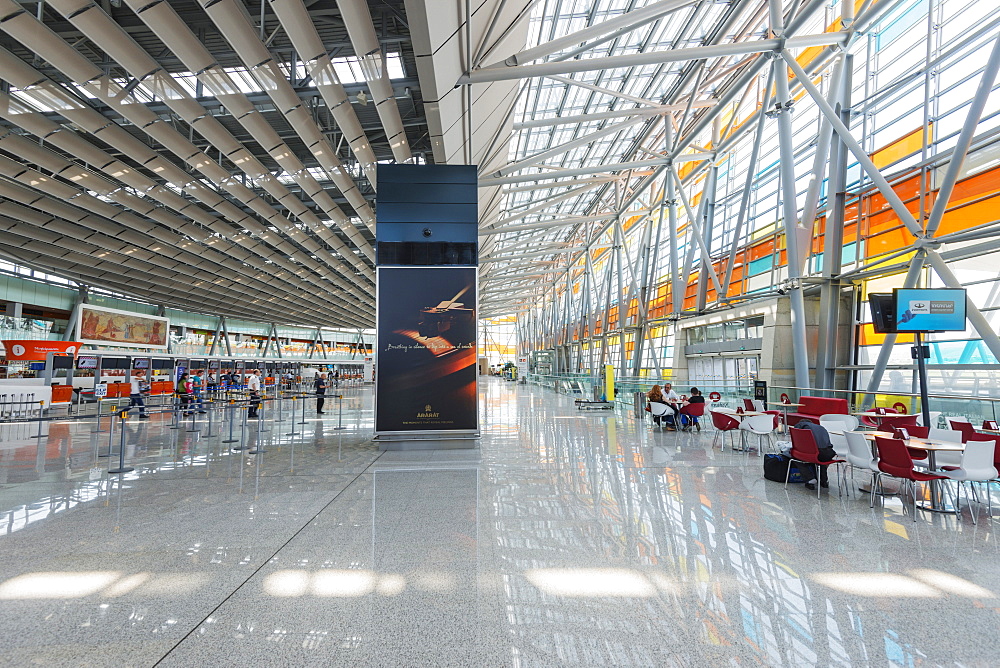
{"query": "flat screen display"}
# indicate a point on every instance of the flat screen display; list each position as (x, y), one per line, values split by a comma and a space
(114, 363)
(930, 309)
(36, 366)
(163, 364)
(86, 362)
(213, 364)
(883, 312)
(140, 363)
(62, 361)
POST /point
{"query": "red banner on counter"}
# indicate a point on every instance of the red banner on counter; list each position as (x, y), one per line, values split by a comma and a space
(34, 350)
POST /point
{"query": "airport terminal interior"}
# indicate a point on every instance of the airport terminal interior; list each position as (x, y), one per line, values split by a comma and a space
(517, 333)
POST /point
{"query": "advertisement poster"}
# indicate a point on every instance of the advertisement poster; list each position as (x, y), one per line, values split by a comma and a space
(105, 326)
(930, 309)
(426, 375)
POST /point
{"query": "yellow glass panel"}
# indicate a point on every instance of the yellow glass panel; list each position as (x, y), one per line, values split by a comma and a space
(902, 147)
(765, 231)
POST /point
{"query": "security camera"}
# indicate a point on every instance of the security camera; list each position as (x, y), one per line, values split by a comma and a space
(427, 232)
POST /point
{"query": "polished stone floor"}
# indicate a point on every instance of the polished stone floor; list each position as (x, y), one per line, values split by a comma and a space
(567, 539)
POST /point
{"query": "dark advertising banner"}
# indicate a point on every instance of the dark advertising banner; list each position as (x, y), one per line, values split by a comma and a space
(426, 371)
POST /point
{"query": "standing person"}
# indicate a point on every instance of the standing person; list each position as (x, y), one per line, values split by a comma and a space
(253, 387)
(212, 383)
(196, 385)
(320, 385)
(336, 378)
(184, 393)
(138, 386)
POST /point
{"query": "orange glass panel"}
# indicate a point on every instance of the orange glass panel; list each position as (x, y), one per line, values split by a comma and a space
(868, 336)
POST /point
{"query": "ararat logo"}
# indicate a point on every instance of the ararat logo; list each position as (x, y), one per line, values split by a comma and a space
(428, 412)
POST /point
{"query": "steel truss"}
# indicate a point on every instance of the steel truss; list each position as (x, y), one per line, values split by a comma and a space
(653, 204)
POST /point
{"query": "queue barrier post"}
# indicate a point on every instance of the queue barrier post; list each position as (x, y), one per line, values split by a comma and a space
(293, 432)
(243, 431)
(41, 406)
(211, 412)
(303, 414)
(231, 418)
(340, 412)
(175, 422)
(193, 426)
(97, 427)
(122, 417)
(111, 434)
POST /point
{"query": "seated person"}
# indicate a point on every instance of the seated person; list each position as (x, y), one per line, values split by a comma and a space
(695, 398)
(826, 454)
(673, 402)
(655, 396)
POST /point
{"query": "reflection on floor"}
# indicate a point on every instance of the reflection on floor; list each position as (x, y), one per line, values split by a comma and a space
(569, 538)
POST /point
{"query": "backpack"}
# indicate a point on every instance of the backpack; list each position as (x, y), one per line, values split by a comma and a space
(776, 467)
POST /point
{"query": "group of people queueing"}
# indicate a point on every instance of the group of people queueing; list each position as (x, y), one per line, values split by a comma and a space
(674, 403)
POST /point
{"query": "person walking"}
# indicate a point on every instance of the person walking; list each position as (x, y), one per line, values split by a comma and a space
(253, 388)
(320, 385)
(138, 386)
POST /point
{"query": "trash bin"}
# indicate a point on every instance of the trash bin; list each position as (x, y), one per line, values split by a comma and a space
(639, 404)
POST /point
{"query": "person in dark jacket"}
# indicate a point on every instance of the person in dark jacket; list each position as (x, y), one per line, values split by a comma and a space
(826, 453)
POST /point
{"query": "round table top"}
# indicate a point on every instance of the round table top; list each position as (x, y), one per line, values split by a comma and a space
(782, 403)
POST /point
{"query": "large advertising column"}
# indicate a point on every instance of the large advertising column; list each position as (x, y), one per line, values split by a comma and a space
(426, 348)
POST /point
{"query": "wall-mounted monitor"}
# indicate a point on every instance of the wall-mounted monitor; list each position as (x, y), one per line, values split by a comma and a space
(213, 364)
(86, 362)
(108, 363)
(140, 363)
(883, 312)
(36, 366)
(930, 309)
(163, 364)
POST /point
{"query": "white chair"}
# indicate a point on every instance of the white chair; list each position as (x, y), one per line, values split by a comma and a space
(945, 458)
(845, 422)
(859, 454)
(837, 439)
(934, 419)
(658, 410)
(836, 422)
(758, 405)
(761, 425)
(976, 466)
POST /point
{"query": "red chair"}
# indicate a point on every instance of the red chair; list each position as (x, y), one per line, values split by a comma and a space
(904, 421)
(916, 454)
(722, 424)
(690, 414)
(895, 461)
(965, 427)
(748, 405)
(804, 449)
(874, 422)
